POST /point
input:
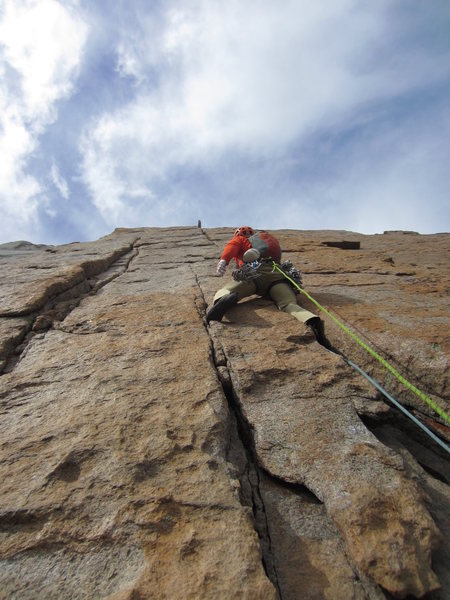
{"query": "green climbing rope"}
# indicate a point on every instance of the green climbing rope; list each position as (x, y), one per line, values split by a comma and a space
(370, 350)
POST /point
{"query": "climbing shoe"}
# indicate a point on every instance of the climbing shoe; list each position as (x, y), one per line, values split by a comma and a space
(219, 308)
(316, 326)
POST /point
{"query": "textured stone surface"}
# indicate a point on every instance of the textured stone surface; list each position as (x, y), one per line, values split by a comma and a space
(114, 437)
(307, 432)
(302, 405)
(144, 455)
(310, 557)
(394, 292)
(41, 274)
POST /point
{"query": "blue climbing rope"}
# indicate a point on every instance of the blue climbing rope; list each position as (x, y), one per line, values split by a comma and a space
(397, 404)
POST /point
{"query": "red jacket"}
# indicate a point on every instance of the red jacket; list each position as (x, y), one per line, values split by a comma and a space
(235, 249)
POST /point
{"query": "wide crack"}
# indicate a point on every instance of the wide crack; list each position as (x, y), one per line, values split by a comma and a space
(411, 438)
(241, 453)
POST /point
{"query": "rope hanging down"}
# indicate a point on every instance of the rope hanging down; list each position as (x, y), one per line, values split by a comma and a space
(398, 405)
(370, 350)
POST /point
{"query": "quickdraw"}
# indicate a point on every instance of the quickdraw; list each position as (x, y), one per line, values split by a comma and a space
(294, 274)
(248, 271)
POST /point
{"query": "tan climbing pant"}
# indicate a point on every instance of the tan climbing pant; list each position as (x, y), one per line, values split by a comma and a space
(269, 283)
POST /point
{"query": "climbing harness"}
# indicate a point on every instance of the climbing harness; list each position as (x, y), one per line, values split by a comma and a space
(370, 350)
(264, 248)
(250, 271)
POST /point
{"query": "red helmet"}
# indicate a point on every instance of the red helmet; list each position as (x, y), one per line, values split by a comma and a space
(244, 230)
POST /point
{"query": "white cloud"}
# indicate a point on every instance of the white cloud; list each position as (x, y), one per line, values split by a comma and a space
(59, 182)
(128, 64)
(244, 78)
(41, 44)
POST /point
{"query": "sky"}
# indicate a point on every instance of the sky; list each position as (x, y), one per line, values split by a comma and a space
(278, 114)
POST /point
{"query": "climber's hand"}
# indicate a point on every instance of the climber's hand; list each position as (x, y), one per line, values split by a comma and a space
(221, 267)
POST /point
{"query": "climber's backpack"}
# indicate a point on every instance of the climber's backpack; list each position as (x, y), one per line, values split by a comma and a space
(267, 245)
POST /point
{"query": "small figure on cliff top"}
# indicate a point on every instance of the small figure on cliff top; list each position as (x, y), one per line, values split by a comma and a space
(254, 254)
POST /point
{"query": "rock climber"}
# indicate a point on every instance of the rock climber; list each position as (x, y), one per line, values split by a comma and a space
(254, 254)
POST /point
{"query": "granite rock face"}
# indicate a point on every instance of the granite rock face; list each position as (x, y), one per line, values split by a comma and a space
(145, 454)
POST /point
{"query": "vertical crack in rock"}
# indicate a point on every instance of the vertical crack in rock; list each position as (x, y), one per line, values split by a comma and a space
(60, 306)
(241, 452)
(250, 472)
(205, 233)
(252, 475)
(200, 301)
